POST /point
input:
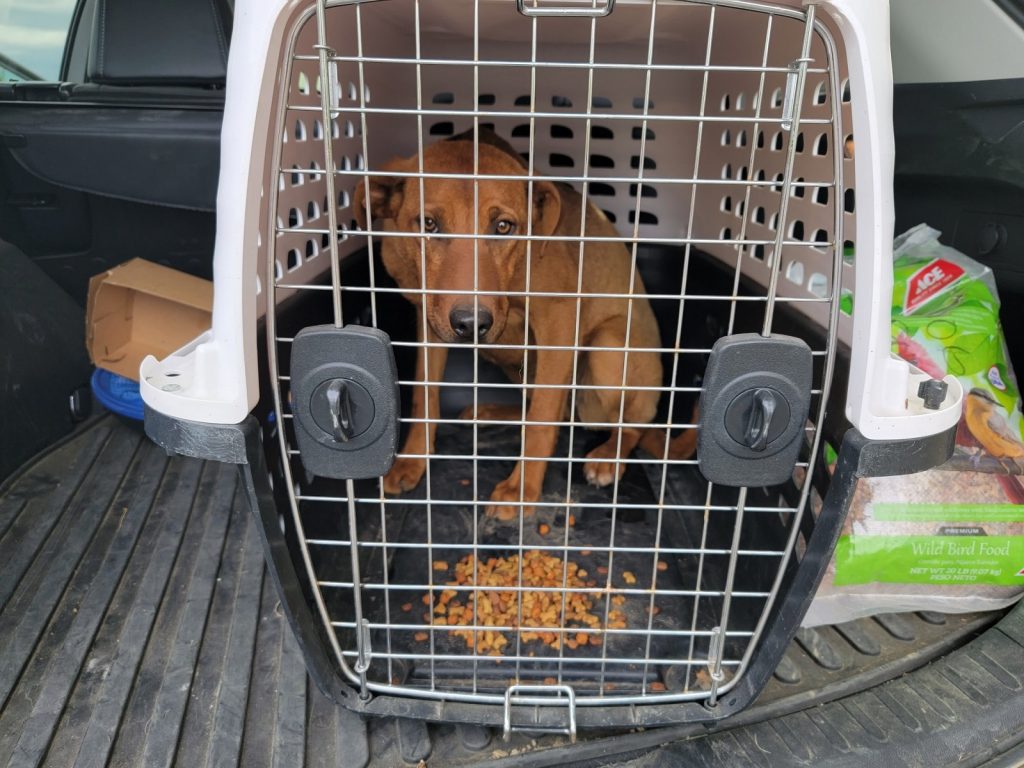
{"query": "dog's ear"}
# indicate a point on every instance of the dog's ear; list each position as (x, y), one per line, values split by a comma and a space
(547, 208)
(385, 193)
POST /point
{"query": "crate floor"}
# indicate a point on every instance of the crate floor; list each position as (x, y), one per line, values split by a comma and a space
(138, 627)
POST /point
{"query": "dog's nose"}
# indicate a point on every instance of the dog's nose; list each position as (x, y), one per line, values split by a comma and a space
(466, 323)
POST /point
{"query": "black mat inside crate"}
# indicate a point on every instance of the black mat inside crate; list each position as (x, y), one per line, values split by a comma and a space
(452, 522)
(138, 626)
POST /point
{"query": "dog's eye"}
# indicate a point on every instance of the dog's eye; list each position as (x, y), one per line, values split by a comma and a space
(429, 224)
(504, 227)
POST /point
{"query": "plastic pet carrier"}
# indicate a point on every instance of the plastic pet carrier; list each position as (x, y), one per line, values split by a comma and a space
(551, 295)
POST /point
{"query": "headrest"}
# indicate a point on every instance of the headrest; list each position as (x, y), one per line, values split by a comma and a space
(160, 42)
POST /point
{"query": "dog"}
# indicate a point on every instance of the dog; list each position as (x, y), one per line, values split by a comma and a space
(498, 318)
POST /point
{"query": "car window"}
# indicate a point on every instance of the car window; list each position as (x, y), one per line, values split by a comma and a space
(949, 41)
(32, 36)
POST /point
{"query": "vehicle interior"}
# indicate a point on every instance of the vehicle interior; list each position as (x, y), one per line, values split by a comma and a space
(139, 624)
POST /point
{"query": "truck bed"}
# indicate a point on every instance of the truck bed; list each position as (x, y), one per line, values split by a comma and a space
(138, 626)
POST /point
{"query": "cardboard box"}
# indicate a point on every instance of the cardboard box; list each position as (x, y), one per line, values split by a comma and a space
(140, 308)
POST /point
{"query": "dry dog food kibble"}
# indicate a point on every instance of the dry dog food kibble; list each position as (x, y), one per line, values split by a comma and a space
(550, 583)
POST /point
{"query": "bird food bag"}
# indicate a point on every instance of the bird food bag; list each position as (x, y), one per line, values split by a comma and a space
(950, 539)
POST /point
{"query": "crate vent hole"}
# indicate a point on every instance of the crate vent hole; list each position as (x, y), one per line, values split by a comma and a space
(821, 145)
(773, 222)
(558, 160)
(638, 103)
(522, 101)
(740, 99)
(727, 171)
(649, 163)
(609, 215)
(645, 217)
(777, 98)
(848, 251)
(741, 139)
(821, 196)
(796, 230)
(303, 84)
(350, 129)
(597, 102)
(521, 131)
(848, 201)
(446, 128)
(562, 102)
(820, 236)
(312, 211)
(759, 252)
(759, 215)
(343, 199)
(278, 267)
(311, 249)
(601, 161)
(726, 234)
(638, 133)
(600, 189)
(800, 142)
(795, 272)
(760, 139)
(727, 203)
(821, 93)
(726, 103)
(845, 87)
(646, 190)
(726, 138)
(848, 147)
(294, 259)
(294, 218)
(561, 132)
(777, 142)
(818, 285)
(601, 132)
(798, 189)
(486, 99)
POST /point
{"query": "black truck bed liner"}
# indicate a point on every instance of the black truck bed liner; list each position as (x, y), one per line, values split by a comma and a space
(138, 627)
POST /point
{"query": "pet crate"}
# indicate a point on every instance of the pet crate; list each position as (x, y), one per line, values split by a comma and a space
(717, 138)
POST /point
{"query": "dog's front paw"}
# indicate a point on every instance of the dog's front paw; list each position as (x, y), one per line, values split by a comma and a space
(601, 471)
(405, 474)
(508, 491)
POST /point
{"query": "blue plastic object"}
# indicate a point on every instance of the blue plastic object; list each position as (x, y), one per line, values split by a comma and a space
(117, 394)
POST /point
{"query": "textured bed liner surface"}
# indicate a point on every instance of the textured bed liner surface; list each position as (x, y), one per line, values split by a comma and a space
(138, 627)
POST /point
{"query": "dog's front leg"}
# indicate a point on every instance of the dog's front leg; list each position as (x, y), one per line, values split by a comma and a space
(407, 471)
(553, 369)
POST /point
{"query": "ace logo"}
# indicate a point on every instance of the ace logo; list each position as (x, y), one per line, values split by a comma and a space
(928, 282)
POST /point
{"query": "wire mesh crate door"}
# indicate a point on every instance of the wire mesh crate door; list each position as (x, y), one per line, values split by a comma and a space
(553, 219)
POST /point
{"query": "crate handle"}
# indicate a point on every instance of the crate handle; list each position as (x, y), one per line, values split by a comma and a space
(592, 12)
(540, 696)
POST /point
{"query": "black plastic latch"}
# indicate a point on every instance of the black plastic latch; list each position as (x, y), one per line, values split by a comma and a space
(933, 392)
(345, 401)
(753, 409)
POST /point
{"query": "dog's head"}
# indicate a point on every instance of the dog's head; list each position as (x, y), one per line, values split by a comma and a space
(461, 249)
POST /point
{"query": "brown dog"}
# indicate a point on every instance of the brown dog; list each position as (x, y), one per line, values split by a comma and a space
(500, 319)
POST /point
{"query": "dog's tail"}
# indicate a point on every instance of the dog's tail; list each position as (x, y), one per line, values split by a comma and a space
(682, 446)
